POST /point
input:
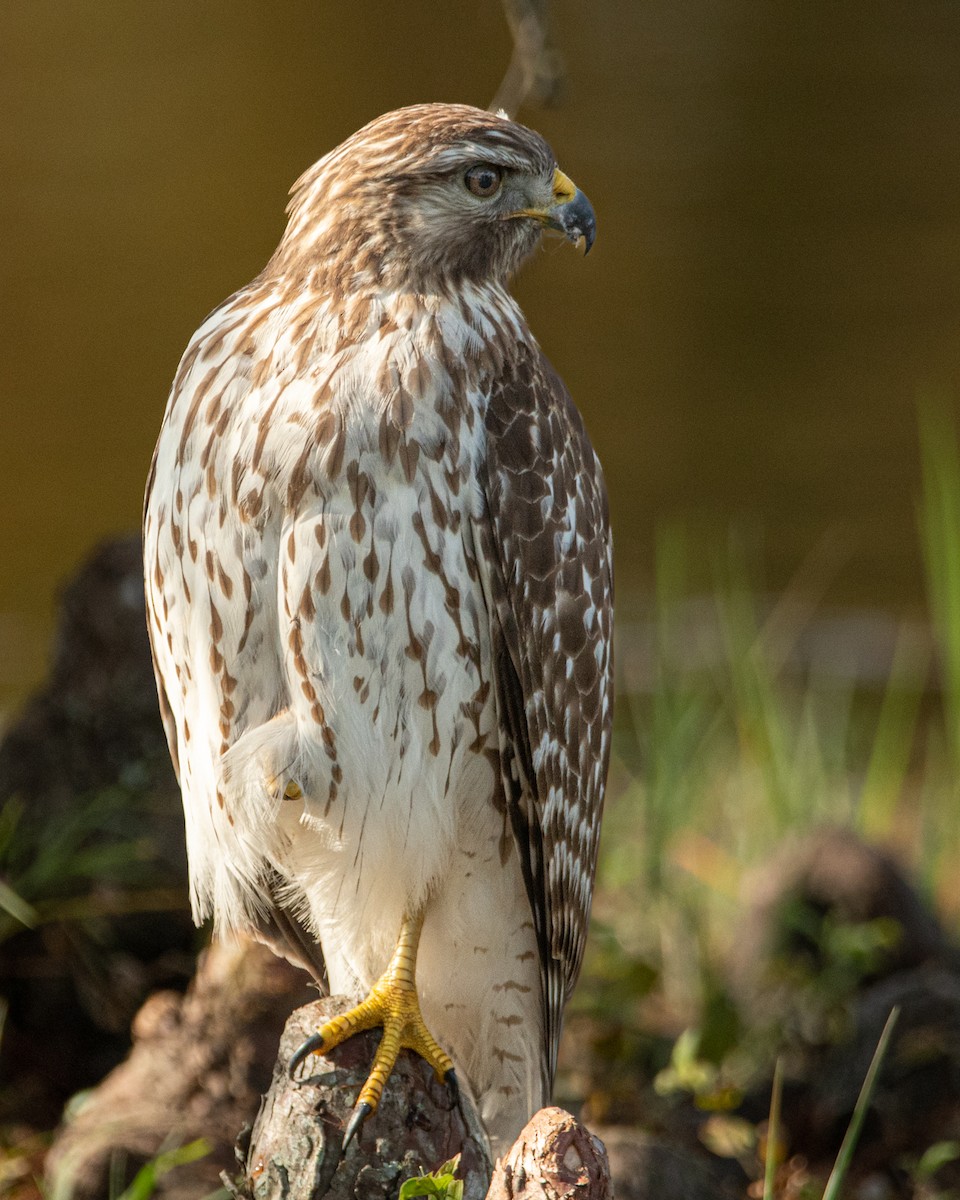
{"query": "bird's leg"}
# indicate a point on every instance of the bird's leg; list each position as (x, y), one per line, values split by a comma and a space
(393, 1004)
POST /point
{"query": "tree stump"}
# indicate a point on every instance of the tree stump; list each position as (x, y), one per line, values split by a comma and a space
(295, 1148)
(199, 1063)
(554, 1158)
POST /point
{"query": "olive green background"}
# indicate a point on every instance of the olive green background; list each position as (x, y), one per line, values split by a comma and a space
(776, 276)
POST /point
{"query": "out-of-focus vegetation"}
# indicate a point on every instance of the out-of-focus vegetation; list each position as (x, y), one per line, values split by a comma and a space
(734, 738)
(94, 861)
(144, 1183)
(738, 734)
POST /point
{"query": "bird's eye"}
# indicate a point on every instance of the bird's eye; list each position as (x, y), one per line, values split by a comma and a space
(484, 180)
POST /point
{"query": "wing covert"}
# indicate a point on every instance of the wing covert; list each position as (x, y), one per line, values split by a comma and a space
(547, 554)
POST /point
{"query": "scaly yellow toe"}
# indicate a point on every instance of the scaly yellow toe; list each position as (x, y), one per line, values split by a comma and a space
(394, 1005)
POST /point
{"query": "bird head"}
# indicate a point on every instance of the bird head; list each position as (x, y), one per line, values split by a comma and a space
(429, 197)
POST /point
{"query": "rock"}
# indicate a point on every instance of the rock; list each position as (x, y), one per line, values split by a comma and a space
(817, 973)
(917, 1098)
(830, 876)
(95, 721)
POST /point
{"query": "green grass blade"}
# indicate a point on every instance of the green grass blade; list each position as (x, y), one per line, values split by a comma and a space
(852, 1136)
(672, 719)
(773, 1133)
(13, 903)
(940, 533)
(759, 712)
(144, 1183)
(895, 736)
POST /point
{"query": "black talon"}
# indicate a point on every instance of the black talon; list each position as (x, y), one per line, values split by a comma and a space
(312, 1045)
(354, 1125)
(450, 1079)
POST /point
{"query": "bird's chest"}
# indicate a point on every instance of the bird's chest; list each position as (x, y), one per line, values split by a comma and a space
(388, 635)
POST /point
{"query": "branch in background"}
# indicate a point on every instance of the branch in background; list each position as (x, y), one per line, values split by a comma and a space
(536, 72)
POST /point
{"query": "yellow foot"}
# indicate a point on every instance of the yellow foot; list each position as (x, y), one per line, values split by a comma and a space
(392, 1004)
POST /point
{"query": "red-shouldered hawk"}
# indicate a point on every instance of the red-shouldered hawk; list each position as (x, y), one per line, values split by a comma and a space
(379, 586)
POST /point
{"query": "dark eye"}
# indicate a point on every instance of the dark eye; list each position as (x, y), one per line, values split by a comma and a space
(484, 180)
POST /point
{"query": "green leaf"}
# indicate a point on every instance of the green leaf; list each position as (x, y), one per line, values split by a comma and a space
(728, 1136)
(441, 1183)
(445, 1187)
(935, 1157)
(773, 1133)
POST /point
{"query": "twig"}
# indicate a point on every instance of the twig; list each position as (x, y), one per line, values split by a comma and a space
(536, 71)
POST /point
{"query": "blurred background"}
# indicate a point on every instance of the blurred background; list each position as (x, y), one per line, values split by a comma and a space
(775, 280)
(765, 344)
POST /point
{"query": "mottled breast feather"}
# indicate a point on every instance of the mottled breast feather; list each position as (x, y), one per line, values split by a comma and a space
(548, 554)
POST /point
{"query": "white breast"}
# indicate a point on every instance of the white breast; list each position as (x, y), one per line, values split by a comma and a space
(386, 648)
(318, 619)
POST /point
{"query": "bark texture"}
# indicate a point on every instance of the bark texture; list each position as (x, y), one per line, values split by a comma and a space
(554, 1158)
(296, 1145)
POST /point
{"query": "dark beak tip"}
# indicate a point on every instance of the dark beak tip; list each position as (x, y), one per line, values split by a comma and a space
(581, 222)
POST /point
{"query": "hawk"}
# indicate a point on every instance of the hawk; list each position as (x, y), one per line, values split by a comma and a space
(379, 593)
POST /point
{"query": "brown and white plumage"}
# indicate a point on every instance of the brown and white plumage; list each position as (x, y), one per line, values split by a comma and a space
(379, 588)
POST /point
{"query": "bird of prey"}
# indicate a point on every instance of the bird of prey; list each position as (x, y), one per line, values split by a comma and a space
(379, 593)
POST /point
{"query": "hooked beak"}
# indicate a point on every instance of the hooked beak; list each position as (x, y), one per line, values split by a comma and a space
(570, 212)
